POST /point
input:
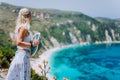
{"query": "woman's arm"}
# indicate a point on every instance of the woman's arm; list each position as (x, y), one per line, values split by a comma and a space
(21, 36)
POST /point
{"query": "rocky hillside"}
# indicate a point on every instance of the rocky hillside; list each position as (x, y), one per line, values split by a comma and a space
(60, 28)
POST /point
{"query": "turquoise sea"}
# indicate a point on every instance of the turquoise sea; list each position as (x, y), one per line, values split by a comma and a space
(87, 62)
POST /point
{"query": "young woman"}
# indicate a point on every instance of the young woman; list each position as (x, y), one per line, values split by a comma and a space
(20, 66)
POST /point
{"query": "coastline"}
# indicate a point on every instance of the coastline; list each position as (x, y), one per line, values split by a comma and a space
(108, 42)
(47, 54)
(39, 61)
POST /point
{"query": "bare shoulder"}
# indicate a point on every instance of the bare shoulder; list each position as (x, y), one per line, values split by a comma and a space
(22, 30)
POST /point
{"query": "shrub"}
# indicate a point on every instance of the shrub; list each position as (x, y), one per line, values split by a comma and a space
(35, 76)
(5, 63)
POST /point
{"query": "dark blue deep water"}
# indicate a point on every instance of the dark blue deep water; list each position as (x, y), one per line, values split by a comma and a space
(88, 62)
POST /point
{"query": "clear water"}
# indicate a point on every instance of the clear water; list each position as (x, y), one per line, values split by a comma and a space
(89, 62)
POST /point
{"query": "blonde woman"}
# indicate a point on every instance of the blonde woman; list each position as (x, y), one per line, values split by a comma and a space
(20, 66)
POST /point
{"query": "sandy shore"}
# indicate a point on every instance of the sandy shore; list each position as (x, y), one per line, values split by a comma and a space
(44, 56)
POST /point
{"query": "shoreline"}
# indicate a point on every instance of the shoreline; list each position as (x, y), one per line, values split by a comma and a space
(47, 54)
(39, 61)
(107, 42)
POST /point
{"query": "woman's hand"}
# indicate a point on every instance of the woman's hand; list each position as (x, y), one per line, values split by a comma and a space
(36, 43)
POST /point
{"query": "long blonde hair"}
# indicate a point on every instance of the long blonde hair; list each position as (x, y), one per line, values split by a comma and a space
(23, 19)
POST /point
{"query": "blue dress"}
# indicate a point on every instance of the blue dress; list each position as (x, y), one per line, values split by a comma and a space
(20, 66)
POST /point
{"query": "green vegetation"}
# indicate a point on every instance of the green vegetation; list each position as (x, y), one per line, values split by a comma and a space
(51, 22)
(7, 50)
(6, 54)
(35, 76)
